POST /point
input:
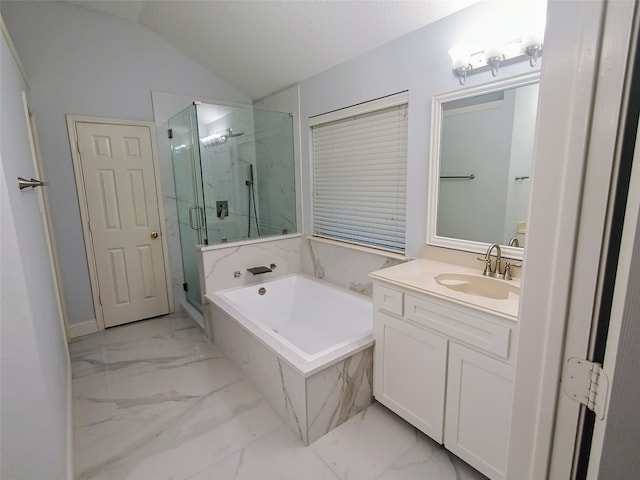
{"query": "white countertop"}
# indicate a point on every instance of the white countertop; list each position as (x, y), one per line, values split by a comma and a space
(419, 275)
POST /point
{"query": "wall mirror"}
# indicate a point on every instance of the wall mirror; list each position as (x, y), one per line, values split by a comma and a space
(480, 166)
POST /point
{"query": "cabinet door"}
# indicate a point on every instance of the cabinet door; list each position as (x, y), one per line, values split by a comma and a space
(410, 372)
(478, 410)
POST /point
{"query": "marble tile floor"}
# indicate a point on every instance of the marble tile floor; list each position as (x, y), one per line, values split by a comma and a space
(156, 400)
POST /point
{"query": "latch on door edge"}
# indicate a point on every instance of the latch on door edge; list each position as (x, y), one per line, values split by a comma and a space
(586, 383)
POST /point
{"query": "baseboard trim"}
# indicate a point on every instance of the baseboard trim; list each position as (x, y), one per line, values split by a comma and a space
(82, 328)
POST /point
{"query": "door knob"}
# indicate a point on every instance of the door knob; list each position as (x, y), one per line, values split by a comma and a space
(154, 234)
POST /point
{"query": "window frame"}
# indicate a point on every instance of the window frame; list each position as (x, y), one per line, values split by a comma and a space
(372, 106)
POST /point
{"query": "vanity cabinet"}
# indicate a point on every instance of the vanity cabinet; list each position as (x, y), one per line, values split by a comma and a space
(446, 369)
(412, 373)
(478, 409)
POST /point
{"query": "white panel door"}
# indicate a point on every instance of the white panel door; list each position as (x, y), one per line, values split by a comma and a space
(409, 373)
(478, 410)
(124, 220)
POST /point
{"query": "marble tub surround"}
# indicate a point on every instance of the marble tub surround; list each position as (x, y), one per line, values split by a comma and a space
(311, 401)
(419, 275)
(334, 262)
(218, 263)
(344, 265)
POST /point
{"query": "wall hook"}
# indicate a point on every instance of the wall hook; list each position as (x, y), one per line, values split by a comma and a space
(24, 183)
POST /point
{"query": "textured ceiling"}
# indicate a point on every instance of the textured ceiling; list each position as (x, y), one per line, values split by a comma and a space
(262, 47)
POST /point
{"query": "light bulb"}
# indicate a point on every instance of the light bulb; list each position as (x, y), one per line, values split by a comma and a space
(459, 57)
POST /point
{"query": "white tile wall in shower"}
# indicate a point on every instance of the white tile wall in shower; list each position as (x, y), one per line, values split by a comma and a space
(275, 172)
(225, 169)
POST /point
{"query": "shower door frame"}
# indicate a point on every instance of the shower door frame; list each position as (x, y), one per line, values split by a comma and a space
(198, 197)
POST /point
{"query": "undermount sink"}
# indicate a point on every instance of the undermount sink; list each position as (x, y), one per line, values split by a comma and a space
(478, 285)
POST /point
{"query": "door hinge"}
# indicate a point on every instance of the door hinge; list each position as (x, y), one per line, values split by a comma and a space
(99, 299)
(170, 133)
(586, 383)
(185, 286)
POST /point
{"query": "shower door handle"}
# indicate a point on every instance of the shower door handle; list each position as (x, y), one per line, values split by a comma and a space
(199, 218)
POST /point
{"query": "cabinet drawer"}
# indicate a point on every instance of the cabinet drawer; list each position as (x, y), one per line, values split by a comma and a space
(387, 299)
(460, 324)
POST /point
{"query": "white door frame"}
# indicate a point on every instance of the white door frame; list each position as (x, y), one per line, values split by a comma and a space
(625, 294)
(45, 210)
(609, 108)
(581, 93)
(72, 120)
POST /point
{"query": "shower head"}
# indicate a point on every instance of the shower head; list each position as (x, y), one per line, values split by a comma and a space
(233, 135)
(221, 136)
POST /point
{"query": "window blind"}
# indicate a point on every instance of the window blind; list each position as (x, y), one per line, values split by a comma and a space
(360, 178)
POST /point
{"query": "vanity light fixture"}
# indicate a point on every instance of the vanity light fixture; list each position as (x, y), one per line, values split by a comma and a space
(493, 41)
(494, 63)
(495, 54)
(534, 51)
(461, 64)
(492, 58)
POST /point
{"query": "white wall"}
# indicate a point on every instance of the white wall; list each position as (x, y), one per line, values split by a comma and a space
(34, 377)
(89, 63)
(417, 62)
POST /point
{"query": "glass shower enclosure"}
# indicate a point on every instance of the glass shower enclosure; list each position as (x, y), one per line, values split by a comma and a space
(234, 174)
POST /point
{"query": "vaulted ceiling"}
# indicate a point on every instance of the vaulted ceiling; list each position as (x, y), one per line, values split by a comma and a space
(262, 47)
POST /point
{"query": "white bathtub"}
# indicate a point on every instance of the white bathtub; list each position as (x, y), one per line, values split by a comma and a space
(310, 323)
(306, 345)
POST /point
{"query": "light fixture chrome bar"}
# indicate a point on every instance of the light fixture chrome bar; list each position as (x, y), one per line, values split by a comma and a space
(479, 65)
